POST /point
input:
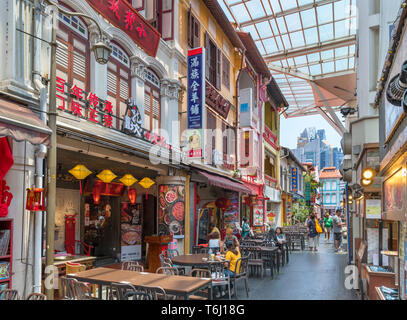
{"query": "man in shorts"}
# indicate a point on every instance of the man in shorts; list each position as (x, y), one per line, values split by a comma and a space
(337, 224)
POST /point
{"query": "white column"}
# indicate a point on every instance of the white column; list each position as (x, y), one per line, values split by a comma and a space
(138, 68)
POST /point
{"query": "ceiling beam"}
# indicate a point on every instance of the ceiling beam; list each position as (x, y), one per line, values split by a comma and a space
(338, 123)
(326, 45)
(282, 13)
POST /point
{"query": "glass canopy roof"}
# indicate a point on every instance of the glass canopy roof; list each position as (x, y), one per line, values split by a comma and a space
(301, 41)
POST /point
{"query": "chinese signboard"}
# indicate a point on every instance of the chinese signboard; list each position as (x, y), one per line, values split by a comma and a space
(90, 107)
(196, 102)
(216, 101)
(121, 14)
(308, 191)
(294, 179)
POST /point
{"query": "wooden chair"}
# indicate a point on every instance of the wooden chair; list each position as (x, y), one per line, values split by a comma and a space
(241, 274)
(77, 267)
(36, 296)
(171, 271)
(9, 294)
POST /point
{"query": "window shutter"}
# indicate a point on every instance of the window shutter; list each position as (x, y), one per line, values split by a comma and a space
(196, 32)
(62, 55)
(225, 72)
(218, 68)
(190, 30)
(207, 56)
(225, 139)
(166, 19)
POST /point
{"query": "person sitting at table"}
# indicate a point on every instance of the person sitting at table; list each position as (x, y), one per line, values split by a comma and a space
(280, 236)
(214, 243)
(229, 238)
(232, 254)
(214, 232)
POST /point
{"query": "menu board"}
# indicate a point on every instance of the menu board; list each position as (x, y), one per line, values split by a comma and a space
(258, 213)
(373, 209)
(393, 192)
(131, 231)
(171, 210)
(231, 215)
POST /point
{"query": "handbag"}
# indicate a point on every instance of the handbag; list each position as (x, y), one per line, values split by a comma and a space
(317, 226)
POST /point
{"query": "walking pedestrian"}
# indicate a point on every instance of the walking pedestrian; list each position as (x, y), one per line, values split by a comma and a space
(327, 226)
(313, 234)
(337, 224)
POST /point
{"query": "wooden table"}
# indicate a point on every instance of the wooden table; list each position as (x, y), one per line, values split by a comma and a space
(174, 285)
(193, 260)
(274, 250)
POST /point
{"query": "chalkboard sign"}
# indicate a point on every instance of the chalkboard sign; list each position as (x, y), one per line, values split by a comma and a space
(203, 224)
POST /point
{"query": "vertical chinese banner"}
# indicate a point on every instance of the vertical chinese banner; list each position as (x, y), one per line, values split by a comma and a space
(196, 104)
(294, 179)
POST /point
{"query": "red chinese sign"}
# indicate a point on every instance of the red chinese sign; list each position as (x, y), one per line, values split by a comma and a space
(122, 15)
(90, 107)
(216, 101)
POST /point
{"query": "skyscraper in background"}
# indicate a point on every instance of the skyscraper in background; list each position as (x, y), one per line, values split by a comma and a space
(312, 146)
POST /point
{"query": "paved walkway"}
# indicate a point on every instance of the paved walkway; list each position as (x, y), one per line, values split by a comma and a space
(308, 276)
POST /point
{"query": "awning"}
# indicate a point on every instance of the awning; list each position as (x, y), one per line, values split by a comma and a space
(226, 183)
(257, 189)
(22, 124)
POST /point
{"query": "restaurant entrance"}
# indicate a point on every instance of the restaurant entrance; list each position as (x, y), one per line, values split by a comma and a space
(109, 216)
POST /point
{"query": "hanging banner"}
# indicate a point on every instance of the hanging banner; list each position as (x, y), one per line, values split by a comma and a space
(122, 15)
(196, 103)
(258, 213)
(131, 231)
(294, 179)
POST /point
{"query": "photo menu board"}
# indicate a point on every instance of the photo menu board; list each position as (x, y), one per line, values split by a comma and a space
(171, 210)
(258, 213)
(131, 231)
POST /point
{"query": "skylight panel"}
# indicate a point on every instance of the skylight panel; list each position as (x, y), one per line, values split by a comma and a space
(240, 13)
(328, 54)
(340, 11)
(270, 45)
(300, 60)
(264, 29)
(297, 39)
(225, 10)
(325, 14)
(252, 30)
(341, 64)
(328, 67)
(351, 63)
(313, 57)
(340, 29)
(275, 6)
(341, 52)
(304, 2)
(311, 36)
(274, 26)
(315, 69)
(256, 9)
(260, 47)
(326, 32)
(293, 22)
(286, 41)
(281, 25)
(288, 4)
(308, 18)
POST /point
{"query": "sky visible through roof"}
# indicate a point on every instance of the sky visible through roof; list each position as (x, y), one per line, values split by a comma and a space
(301, 41)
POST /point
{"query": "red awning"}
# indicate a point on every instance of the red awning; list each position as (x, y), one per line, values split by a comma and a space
(21, 124)
(226, 183)
(256, 188)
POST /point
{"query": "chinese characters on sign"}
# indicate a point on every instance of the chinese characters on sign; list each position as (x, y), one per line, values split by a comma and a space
(90, 107)
(216, 101)
(294, 179)
(196, 103)
(121, 14)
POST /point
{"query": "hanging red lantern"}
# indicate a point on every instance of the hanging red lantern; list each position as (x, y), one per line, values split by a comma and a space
(132, 196)
(5, 198)
(35, 199)
(96, 192)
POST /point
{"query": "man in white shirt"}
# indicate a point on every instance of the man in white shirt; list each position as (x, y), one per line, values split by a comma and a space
(337, 226)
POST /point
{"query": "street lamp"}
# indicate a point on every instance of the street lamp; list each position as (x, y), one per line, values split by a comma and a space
(102, 53)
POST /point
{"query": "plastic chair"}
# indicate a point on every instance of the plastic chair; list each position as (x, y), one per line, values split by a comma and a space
(36, 296)
(9, 294)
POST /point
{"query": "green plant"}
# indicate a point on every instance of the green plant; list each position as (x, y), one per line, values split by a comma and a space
(300, 212)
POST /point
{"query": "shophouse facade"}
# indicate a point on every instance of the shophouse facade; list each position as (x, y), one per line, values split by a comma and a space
(331, 190)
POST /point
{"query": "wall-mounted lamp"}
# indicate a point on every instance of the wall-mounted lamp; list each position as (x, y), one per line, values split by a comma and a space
(397, 87)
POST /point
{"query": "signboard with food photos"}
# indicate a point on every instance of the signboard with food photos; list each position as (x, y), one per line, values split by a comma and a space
(131, 231)
(171, 210)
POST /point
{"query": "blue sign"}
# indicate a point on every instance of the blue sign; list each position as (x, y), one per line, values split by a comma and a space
(294, 179)
(196, 88)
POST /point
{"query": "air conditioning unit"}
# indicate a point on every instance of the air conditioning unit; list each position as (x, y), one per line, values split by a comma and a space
(246, 107)
(346, 143)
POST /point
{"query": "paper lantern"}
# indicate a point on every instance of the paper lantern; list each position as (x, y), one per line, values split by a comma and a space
(146, 183)
(128, 180)
(132, 193)
(96, 192)
(106, 176)
(80, 172)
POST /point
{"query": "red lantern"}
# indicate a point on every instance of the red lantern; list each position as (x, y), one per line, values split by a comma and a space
(132, 195)
(96, 192)
(35, 199)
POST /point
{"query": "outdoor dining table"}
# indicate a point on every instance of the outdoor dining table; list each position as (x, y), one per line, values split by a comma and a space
(274, 250)
(193, 260)
(183, 286)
